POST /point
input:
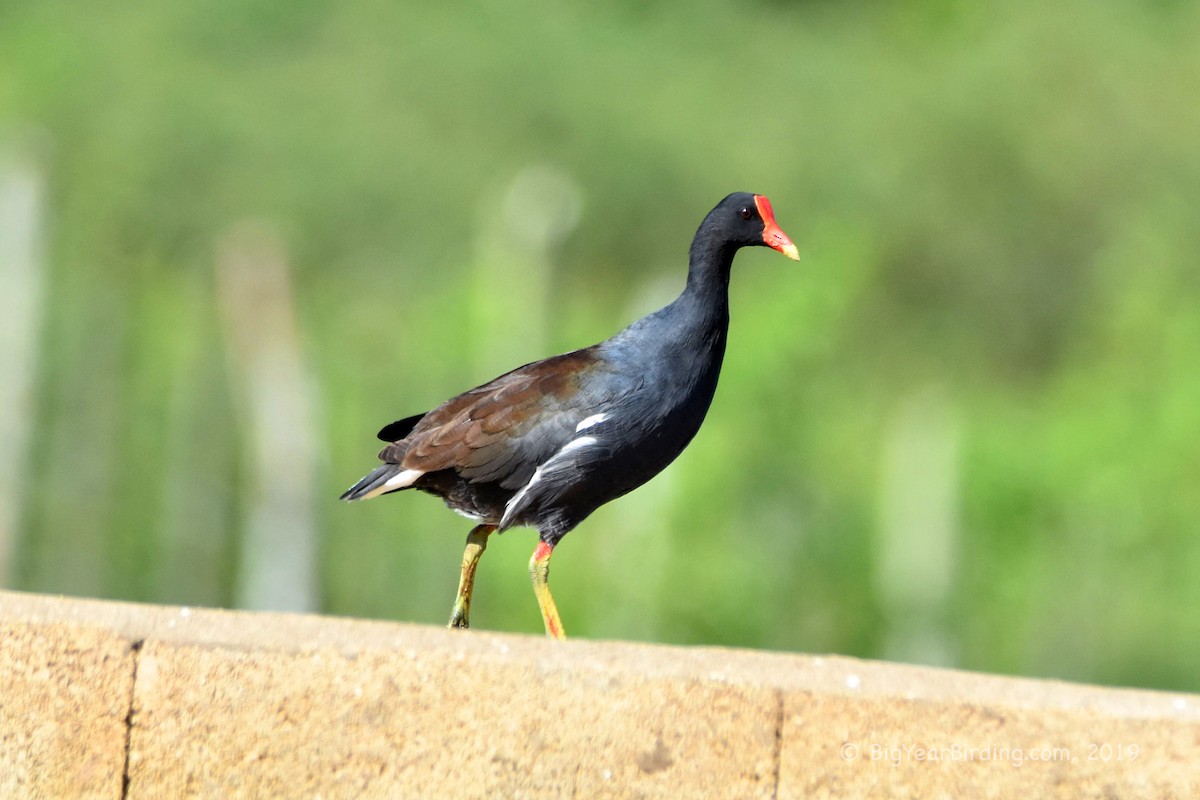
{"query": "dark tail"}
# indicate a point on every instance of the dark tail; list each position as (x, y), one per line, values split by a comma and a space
(400, 428)
(375, 483)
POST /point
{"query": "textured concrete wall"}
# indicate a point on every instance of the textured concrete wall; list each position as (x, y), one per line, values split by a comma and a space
(109, 700)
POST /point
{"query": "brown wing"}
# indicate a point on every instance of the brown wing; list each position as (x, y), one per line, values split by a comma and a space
(501, 431)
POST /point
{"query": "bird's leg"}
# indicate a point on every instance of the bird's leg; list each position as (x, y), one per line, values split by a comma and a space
(539, 572)
(476, 544)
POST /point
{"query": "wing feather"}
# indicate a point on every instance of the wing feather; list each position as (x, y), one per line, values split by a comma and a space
(501, 431)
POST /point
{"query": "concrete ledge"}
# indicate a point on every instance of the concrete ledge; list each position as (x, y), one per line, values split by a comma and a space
(65, 693)
(114, 699)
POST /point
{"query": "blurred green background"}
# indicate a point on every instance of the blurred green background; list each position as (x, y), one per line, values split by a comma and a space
(237, 238)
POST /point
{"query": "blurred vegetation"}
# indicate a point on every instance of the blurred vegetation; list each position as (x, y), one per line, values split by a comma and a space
(964, 430)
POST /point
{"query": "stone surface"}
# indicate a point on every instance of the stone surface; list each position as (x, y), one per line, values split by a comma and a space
(233, 704)
(846, 746)
(64, 698)
(222, 723)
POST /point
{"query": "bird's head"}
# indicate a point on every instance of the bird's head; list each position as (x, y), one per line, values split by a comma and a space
(746, 220)
(749, 220)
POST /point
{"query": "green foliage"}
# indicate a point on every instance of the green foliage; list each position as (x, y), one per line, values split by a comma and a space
(996, 206)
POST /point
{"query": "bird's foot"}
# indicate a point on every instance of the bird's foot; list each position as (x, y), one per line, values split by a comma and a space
(539, 572)
(476, 544)
(459, 616)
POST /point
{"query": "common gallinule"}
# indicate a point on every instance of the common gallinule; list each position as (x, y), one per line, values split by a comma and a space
(547, 444)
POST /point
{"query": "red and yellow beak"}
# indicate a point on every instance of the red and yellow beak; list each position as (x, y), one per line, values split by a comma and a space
(773, 237)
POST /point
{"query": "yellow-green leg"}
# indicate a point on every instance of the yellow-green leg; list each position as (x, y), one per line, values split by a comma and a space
(476, 544)
(539, 573)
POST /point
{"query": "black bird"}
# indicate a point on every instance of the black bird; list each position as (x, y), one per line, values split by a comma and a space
(547, 444)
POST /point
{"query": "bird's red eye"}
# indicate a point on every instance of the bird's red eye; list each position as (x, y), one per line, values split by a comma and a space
(745, 212)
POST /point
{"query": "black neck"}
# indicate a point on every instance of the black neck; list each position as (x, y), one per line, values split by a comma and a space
(707, 290)
(697, 322)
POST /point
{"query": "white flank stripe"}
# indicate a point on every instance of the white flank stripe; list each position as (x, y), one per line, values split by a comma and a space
(549, 464)
(575, 444)
(594, 419)
(516, 498)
